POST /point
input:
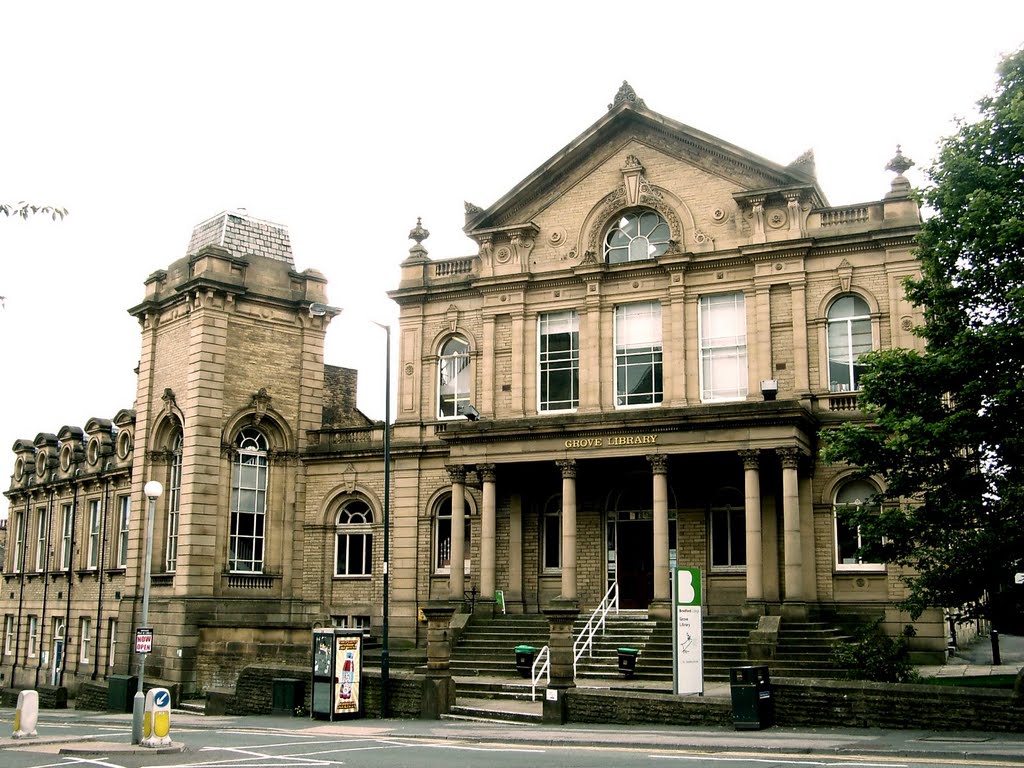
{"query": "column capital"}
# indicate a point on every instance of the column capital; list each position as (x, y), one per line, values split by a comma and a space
(568, 467)
(659, 463)
(456, 472)
(488, 472)
(751, 458)
(789, 456)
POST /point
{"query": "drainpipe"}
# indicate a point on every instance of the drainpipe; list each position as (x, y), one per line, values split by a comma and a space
(21, 580)
(71, 575)
(103, 552)
(46, 576)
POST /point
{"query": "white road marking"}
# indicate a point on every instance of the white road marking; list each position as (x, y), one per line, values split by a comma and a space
(777, 761)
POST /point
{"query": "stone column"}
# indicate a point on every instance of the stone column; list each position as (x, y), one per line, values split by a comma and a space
(791, 546)
(487, 523)
(457, 569)
(438, 691)
(661, 607)
(561, 615)
(514, 597)
(752, 519)
(568, 467)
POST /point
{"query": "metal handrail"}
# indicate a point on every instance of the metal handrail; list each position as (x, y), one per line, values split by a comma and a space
(585, 642)
(544, 671)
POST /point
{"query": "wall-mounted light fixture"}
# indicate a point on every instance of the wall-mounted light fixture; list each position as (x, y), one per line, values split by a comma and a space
(469, 412)
(769, 388)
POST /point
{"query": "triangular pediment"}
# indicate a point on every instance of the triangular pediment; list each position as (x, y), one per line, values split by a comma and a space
(629, 122)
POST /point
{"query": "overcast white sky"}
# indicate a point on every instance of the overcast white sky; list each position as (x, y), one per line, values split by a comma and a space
(346, 121)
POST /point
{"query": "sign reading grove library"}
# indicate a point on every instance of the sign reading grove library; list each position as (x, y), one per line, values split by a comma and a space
(687, 632)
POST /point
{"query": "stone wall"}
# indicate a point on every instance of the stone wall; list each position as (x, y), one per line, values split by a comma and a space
(254, 691)
(809, 703)
(49, 697)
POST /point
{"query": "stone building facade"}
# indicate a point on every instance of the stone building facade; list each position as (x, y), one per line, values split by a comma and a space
(630, 372)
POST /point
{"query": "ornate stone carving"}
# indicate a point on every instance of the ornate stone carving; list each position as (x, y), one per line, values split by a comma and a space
(488, 472)
(899, 163)
(260, 404)
(626, 93)
(568, 468)
(456, 472)
(659, 463)
(789, 456)
(845, 274)
(472, 210)
(419, 234)
(751, 458)
(169, 402)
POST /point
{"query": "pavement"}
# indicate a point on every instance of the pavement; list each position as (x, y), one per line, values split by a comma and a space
(970, 661)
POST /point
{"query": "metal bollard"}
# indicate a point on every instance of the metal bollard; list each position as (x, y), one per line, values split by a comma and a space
(26, 716)
(156, 727)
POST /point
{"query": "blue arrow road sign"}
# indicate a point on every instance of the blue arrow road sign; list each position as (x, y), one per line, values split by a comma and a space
(162, 698)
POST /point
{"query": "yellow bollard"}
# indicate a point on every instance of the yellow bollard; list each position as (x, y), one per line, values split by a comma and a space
(26, 715)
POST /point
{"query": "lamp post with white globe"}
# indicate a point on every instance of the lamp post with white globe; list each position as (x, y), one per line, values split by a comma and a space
(152, 490)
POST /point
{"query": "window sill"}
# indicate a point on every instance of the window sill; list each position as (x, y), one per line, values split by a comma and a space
(353, 577)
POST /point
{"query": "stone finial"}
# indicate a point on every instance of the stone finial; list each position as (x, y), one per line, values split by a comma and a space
(804, 164)
(419, 234)
(626, 93)
(472, 210)
(898, 165)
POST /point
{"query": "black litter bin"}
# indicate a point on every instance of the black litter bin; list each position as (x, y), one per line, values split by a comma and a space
(121, 692)
(525, 654)
(627, 660)
(752, 705)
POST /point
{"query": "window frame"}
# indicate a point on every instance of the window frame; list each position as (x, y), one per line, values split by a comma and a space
(447, 357)
(251, 456)
(18, 555)
(860, 565)
(93, 542)
(8, 634)
(551, 527)
(111, 641)
(348, 532)
(714, 349)
(84, 639)
(558, 364)
(619, 224)
(174, 504)
(442, 512)
(124, 511)
(32, 647)
(735, 526)
(649, 354)
(67, 520)
(863, 322)
(42, 532)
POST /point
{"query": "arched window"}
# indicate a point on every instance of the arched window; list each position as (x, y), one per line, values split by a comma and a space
(453, 377)
(443, 537)
(849, 540)
(248, 502)
(173, 505)
(637, 235)
(353, 541)
(849, 337)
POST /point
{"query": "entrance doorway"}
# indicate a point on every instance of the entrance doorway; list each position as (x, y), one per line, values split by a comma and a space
(635, 562)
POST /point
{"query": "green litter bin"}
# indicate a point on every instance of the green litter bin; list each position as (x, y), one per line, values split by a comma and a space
(627, 660)
(525, 655)
(752, 705)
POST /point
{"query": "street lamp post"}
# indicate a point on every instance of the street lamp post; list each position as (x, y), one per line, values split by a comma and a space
(152, 490)
(385, 653)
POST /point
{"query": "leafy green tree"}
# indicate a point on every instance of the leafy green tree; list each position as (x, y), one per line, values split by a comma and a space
(24, 210)
(947, 429)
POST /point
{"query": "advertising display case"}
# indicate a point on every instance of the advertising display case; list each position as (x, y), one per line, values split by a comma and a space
(337, 673)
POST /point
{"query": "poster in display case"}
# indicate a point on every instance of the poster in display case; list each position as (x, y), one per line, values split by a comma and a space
(337, 673)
